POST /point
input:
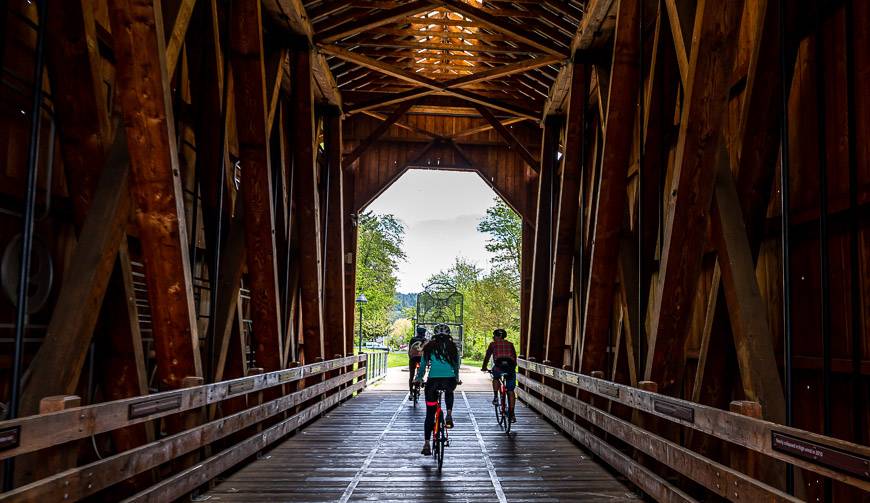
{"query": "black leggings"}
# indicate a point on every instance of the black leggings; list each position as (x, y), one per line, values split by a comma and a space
(448, 384)
(412, 368)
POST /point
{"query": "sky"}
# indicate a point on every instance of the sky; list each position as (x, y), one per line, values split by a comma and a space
(440, 211)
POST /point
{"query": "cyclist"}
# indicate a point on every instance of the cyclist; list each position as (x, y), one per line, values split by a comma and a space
(504, 362)
(441, 356)
(415, 353)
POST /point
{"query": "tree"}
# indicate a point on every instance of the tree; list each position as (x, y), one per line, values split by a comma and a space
(505, 230)
(379, 253)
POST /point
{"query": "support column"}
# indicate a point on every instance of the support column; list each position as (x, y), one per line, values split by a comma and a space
(566, 238)
(249, 74)
(543, 255)
(334, 276)
(350, 241)
(307, 205)
(143, 95)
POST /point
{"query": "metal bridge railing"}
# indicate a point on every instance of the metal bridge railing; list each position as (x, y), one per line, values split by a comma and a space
(376, 366)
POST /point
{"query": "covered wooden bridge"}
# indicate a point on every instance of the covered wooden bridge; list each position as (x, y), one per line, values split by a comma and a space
(178, 200)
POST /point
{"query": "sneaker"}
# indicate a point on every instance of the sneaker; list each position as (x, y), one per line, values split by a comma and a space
(449, 421)
(495, 400)
(513, 418)
(427, 451)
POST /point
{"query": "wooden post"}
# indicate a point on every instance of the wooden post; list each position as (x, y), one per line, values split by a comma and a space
(334, 310)
(350, 244)
(60, 457)
(692, 182)
(542, 262)
(256, 187)
(644, 420)
(307, 205)
(143, 95)
(745, 460)
(568, 206)
(609, 203)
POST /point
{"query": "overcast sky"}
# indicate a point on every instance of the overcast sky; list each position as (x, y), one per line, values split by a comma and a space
(440, 210)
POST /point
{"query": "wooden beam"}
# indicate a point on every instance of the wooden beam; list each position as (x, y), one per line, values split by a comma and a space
(292, 20)
(542, 260)
(409, 127)
(677, 25)
(179, 31)
(568, 205)
(486, 127)
(334, 309)
(752, 337)
(143, 95)
(56, 368)
(610, 200)
(350, 248)
(592, 32)
(80, 102)
(305, 186)
(714, 46)
(402, 74)
(518, 32)
(377, 133)
(251, 103)
(373, 20)
(509, 137)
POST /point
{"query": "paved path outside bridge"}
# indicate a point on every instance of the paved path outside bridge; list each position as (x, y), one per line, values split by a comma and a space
(472, 380)
(369, 450)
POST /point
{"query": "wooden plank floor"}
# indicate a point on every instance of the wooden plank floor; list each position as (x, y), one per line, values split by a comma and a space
(369, 450)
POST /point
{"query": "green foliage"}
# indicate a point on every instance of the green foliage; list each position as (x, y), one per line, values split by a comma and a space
(505, 230)
(491, 300)
(379, 253)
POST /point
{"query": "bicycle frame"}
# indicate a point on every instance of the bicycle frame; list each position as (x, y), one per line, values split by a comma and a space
(440, 435)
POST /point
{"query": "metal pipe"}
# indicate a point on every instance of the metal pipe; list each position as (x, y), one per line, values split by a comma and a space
(784, 215)
(824, 258)
(854, 264)
(27, 233)
(214, 277)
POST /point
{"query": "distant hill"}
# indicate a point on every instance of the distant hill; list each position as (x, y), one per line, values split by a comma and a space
(403, 300)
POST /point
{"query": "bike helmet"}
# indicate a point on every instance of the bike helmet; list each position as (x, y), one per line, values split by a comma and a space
(421, 331)
(499, 333)
(442, 329)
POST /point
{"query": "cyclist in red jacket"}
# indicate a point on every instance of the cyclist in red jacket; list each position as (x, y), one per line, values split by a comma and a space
(504, 362)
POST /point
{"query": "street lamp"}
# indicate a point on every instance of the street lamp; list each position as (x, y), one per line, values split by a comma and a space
(360, 301)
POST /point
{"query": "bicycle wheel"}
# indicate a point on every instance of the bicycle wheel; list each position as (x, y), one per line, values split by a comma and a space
(507, 415)
(504, 420)
(498, 418)
(442, 442)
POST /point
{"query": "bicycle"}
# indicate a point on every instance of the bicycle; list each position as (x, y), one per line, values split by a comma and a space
(440, 437)
(502, 412)
(415, 387)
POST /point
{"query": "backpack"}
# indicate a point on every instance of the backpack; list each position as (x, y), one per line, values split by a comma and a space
(415, 349)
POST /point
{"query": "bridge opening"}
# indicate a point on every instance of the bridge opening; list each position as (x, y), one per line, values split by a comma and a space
(455, 231)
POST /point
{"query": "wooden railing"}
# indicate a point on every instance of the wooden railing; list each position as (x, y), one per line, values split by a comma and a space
(326, 384)
(376, 366)
(837, 459)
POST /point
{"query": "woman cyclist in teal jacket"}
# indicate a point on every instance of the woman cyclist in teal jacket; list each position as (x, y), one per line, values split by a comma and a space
(441, 356)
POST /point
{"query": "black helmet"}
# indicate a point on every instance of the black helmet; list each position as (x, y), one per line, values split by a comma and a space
(442, 329)
(499, 333)
(421, 330)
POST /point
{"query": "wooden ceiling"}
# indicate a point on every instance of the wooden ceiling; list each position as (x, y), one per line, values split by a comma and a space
(505, 55)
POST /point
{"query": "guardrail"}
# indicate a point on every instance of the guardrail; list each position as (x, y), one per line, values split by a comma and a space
(376, 366)
(264, 423)
(838, 459)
